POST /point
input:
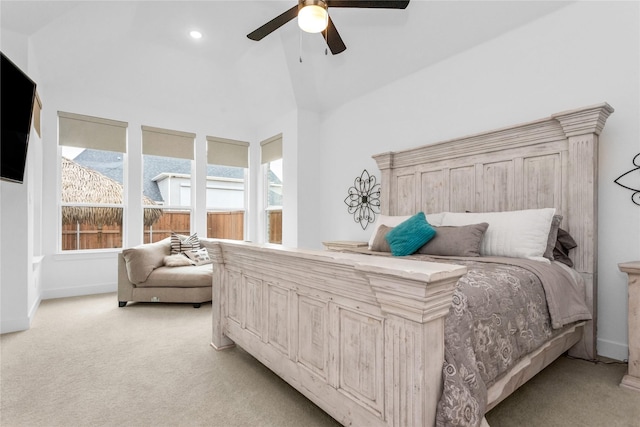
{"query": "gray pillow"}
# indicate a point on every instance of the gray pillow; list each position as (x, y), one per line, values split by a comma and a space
(553, 236)
(564, 244)
(464, 240)
(379, 243)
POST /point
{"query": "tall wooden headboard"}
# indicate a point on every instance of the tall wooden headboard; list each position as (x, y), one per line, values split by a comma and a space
(551, 162)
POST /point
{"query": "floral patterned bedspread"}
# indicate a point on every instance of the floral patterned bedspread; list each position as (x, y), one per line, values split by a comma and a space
(499, 314)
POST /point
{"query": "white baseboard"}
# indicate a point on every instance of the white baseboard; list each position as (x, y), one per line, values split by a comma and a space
(19, 324)
(77, 291)
(34, 308)
(15, 325)
(613, 350)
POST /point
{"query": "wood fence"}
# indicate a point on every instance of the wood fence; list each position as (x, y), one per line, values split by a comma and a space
(84, 236)
(177, 222)
(222, 225)
(275, 226)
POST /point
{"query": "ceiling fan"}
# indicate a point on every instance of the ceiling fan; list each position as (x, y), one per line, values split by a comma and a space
(313, 17)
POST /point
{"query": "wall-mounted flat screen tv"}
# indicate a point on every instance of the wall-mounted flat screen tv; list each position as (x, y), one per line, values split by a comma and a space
(17, 93)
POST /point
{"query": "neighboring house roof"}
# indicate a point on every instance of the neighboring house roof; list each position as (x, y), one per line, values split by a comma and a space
(153, 166)
(110, 164)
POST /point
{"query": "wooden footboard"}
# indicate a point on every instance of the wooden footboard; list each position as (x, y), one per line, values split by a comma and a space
(361, 337)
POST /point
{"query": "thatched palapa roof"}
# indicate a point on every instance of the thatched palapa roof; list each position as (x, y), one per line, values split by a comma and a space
(84, 185)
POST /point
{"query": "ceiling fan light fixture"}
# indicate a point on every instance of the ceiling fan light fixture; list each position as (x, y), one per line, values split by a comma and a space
(313, 16)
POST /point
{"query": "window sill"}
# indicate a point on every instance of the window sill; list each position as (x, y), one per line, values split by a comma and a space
(87, 254)
(36, 261)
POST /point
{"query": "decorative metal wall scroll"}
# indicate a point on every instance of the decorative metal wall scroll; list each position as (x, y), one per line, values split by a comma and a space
(631, 180)
(363, 200)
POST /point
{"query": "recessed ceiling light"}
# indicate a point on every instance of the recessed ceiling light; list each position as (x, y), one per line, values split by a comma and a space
(195, 34)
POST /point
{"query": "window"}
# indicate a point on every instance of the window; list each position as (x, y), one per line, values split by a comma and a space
(271, 153)
(167, 182)
(92, 181)
(227, 163)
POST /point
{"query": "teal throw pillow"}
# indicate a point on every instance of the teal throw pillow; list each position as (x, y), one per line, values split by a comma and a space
(410, 235)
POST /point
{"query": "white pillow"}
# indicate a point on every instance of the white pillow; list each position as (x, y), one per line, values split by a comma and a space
(435, 218)
(199, 256)
(177, 260)
(517, 234)
(392, 221)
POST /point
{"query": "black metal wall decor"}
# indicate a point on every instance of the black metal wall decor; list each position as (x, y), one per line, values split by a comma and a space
(631, 180)
(363, 200)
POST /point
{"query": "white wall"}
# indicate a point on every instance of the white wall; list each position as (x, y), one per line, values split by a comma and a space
(583, 54)
(309, 185)
(14, 255)
(301, 148)
(287, 125)
(20, 208)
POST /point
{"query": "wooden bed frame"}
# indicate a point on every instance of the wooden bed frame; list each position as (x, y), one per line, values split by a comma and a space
(363, 337)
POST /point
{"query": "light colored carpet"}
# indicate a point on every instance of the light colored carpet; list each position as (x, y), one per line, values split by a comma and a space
(571, 392)
(87, 362)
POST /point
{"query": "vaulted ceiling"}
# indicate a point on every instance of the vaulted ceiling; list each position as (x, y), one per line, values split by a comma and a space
(145, 45)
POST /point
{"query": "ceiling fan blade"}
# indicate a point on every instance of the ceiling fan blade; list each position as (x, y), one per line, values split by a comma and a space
(371, 4)
(334, 41)
(274, 24)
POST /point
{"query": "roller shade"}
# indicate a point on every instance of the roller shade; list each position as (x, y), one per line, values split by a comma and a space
(271, 149)
(167, 143)
(76, 130)
(227, 152)
(37, 108)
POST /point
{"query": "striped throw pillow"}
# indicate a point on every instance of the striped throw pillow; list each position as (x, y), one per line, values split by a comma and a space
(180, 245)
